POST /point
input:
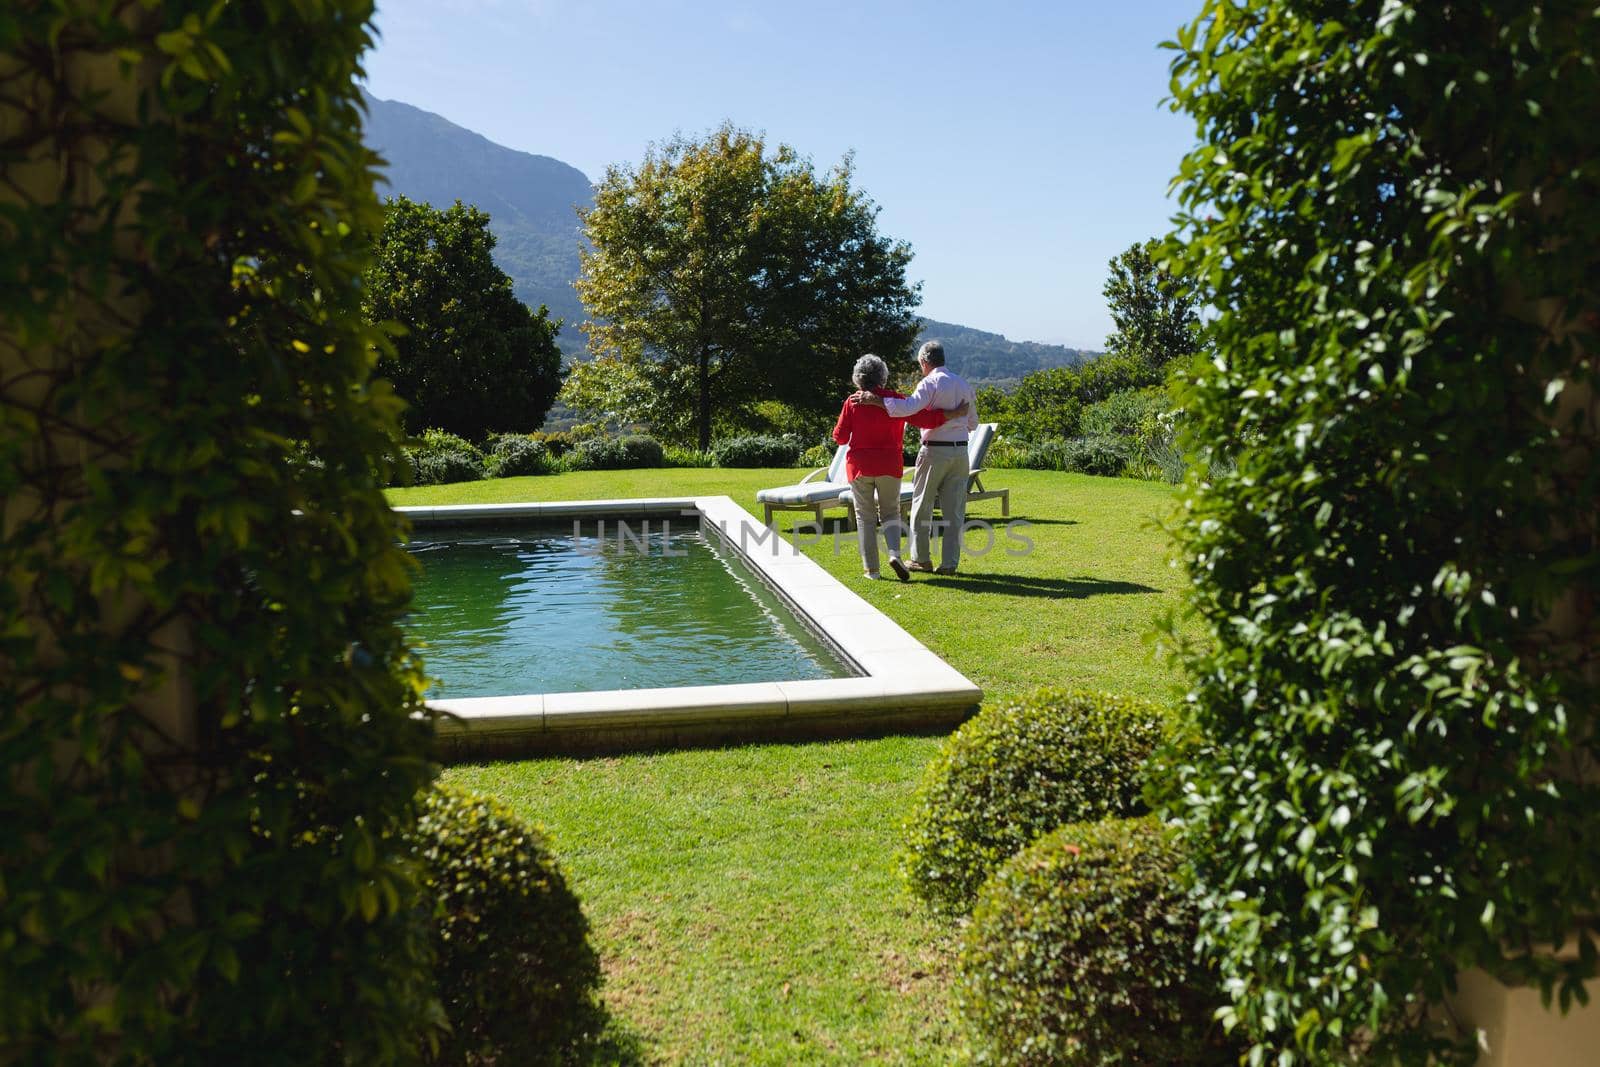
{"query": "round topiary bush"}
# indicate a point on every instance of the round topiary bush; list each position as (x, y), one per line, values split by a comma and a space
(1081, 951)
(516, 973)
(1016, 771)
(617, 453)
(513, 455)
(757, 450)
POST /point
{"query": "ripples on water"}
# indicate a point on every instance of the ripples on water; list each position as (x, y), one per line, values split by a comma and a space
(502, 610)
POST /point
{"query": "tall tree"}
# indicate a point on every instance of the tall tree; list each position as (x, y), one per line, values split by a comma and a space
(721, 274)
(1153, 311)
(473, 358)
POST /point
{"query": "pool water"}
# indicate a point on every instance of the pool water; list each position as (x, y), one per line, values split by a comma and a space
(501, 610)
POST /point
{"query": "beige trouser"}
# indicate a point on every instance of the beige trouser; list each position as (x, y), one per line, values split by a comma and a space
(940, 479)
(877, 504)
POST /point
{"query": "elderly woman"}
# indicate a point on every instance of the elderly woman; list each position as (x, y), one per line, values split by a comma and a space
(876, 461)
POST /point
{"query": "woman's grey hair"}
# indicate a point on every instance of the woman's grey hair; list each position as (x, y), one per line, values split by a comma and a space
(870, 373)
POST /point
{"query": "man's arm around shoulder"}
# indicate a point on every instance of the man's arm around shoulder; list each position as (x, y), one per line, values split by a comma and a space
(920, 398)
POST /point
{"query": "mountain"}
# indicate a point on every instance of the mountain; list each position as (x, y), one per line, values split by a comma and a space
(989, 359)
(532, 203)
(531, 200)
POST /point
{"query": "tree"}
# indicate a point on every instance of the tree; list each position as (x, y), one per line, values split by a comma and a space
(211, 725)
(1154, 312)
(721, 274)
(1395, 701)
(473, 358)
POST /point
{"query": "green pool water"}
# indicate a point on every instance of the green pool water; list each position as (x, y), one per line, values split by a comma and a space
(534, 609)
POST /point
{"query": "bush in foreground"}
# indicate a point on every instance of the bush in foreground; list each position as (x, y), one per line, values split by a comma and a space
(516, 973)
(1081, 951)
(1016, 771)
(1394, 642)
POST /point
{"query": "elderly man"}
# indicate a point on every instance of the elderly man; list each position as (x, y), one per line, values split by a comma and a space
(941, 472)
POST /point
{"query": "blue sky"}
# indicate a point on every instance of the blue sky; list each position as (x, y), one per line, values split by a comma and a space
(1016, 146)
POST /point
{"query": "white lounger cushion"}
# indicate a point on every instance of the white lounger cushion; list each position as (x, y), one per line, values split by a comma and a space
(813, 493)
(809, 492)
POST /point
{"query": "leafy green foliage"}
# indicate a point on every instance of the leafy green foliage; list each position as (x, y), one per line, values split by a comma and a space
(721, 275)
(473, 358)
(557, 443)
(440, 457)
(756, 450)
(1081, 951)
(1049, 405)
(1153, 311)
(210, 729)
(1104, 456)
(1124, 414)
(616, 453)
(1016, 770)
(1396, 689)
(516, 972)
(512, 455)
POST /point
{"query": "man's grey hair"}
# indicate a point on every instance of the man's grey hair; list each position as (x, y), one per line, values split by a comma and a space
(931, 352)
(870, 373)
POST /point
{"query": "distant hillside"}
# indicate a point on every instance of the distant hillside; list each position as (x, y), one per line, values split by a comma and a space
(990, 359)
(531, 200)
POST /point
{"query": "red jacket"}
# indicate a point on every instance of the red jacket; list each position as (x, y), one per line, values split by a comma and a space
(877, 439)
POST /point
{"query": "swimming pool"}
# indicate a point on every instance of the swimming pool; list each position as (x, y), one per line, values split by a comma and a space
(867, 674)
(603, 603)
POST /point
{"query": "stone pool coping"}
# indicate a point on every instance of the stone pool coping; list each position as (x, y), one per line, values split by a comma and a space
(902, 685)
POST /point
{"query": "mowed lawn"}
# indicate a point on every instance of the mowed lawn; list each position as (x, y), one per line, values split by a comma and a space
(744, 900)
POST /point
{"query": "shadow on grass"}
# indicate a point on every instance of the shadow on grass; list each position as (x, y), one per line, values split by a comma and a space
(1031, 585)
(608, 1042)
(1030, 520)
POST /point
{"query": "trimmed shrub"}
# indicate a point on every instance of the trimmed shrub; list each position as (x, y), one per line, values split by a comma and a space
(516, 973)
(511, 455)
(617, 453)
(757, 450)
(1081, 951)
(1017, 770)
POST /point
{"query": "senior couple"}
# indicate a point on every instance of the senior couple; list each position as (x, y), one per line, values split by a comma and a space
(873, 423)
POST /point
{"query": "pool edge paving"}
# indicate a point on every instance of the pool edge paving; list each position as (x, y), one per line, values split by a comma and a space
(902, 685)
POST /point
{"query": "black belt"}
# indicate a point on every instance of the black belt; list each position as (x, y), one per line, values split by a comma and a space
(947, 444)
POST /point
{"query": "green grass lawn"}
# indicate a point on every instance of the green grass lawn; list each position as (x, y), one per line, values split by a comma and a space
(744, 900)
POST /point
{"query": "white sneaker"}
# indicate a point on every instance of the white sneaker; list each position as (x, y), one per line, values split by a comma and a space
(870, 576)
